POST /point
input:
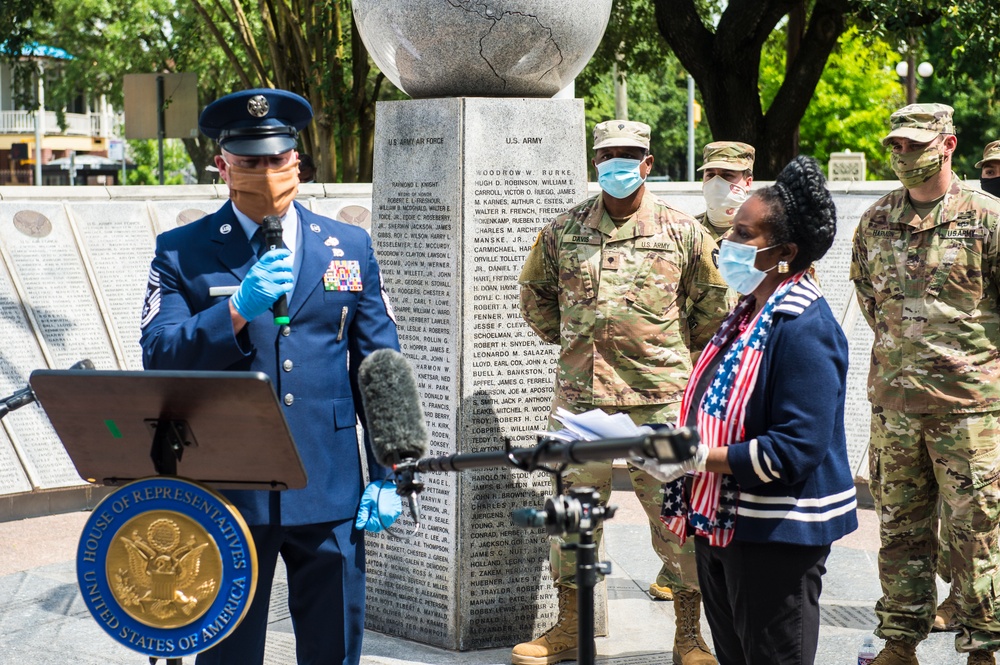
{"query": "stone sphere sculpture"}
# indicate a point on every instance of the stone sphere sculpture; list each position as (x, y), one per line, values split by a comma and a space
(481, 48)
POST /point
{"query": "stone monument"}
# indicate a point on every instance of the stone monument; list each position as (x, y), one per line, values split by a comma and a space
(481, 48)
(846, 165)
(462, 185)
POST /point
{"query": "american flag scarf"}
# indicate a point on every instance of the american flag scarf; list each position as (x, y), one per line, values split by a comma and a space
(711, 507)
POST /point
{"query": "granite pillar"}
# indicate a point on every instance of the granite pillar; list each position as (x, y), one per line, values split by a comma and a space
(461, 188)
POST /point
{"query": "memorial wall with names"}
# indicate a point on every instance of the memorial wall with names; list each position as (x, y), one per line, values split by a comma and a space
(74, 264)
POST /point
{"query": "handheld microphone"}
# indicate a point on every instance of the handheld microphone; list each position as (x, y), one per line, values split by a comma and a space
(26, 396)
(272, 240)
(394, 418)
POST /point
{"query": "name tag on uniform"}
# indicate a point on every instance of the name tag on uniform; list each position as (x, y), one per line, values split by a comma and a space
(343, 276)
(222, 291)
(646, 243)
(884, 233)
(584, 240)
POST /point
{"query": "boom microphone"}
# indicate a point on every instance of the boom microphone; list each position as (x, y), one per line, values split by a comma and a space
(392, 408)
(272, 240)
(395, 419)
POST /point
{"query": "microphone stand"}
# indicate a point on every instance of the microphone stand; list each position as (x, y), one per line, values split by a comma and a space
(579, 512)
(26, 395)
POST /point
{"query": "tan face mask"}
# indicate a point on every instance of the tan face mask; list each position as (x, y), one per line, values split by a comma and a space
(258, 193)
(915, 168)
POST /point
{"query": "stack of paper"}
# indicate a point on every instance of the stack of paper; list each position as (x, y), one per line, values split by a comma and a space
(594, 425)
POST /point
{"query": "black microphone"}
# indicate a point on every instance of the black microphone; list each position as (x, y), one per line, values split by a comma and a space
(272, 240)
(26, 396)
(394, 418)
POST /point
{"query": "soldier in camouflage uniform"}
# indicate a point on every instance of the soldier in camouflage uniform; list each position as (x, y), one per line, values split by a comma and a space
(727, 173)
(926, 264)
(627, 286)
(944, 619)
(989, 176)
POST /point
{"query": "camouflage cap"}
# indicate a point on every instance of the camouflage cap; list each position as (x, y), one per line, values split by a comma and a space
(990, 154)
(627, 133)
(731, 155)
(920, 122)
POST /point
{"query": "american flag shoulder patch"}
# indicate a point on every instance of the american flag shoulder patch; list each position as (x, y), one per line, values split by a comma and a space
(151, 304)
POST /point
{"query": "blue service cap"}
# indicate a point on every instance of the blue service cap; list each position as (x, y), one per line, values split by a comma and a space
(258, 122)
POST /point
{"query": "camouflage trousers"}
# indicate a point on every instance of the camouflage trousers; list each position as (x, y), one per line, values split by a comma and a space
(914, 460)
(678, 570)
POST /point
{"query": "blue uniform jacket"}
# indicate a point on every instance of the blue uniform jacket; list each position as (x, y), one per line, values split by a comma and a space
(313, 366)
(795, 481)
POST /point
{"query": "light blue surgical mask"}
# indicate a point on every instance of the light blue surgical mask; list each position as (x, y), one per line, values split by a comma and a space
(619, 177)
(736, 263)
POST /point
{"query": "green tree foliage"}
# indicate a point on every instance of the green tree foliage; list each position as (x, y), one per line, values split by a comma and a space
(145, 154)
(111, 38)
(657, 87)
(966, 32)
(972, 87)
(850, 108)
(722, 49)
(18, 19)
(313, 49)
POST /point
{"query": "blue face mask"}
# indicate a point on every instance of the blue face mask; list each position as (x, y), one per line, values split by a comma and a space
(736, 263)
(619, 177)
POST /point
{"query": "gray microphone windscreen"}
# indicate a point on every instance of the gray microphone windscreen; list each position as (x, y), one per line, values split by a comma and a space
(394, 416)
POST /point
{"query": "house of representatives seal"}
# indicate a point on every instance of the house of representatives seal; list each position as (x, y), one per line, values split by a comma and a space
(166, 566)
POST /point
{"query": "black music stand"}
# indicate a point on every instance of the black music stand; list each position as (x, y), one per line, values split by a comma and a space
(223, 429)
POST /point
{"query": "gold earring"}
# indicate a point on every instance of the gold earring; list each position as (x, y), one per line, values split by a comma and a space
(782, 267)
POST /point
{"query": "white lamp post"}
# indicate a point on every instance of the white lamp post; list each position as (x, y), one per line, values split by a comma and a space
(904, 70)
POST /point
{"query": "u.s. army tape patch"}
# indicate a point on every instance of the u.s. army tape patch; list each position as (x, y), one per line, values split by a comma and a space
(167, 567)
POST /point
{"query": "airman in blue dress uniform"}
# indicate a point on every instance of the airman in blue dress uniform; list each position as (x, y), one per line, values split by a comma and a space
(207, 308)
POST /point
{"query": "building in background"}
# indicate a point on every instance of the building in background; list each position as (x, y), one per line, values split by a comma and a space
(70, 127)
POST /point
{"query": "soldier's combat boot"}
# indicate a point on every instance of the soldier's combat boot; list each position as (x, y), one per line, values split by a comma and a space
(659, 592)
(556, 645)
(944, 618)
(897, 652)
(689, 647)
(982, 658)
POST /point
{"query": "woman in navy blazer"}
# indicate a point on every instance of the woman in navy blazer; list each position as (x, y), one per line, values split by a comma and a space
(772, 487)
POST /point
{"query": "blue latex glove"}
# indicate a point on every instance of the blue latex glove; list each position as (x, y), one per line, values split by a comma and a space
(269, 279)
(380, 506)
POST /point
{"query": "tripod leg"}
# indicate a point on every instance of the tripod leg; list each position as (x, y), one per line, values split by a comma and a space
(586, 580)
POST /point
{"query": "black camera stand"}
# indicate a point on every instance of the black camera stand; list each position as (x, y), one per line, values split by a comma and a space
(577, 512)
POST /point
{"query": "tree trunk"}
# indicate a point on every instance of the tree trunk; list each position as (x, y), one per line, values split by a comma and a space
(202, 152)
(363, 104)
(793, 42)
(303, 47)
(726, 64)
(325, 152)
(348, 147)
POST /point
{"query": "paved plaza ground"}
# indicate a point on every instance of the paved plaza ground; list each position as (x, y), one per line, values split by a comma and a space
(43, 620)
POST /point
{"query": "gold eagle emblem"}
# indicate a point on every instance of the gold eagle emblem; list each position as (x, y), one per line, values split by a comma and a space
(163, 583)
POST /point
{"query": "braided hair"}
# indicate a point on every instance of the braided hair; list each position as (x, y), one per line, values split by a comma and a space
(801, 211)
